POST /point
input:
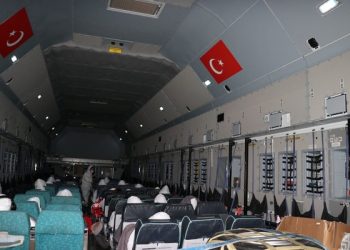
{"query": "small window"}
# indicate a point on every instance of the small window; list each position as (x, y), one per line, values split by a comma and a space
(203, 172)
(220, 117)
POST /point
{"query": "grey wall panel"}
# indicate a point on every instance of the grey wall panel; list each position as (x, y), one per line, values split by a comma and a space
(259, 44)
(51, 20)
(195, 33)
(227, 10)
(123, 26)
(87, 143)
(303, 20)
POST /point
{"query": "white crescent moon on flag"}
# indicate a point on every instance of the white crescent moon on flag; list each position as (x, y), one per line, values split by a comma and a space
(11, 44)
(218, 72)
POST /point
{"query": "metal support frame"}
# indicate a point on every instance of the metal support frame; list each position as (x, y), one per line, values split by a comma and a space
(189, 170)
(230, 158)
(247, 141)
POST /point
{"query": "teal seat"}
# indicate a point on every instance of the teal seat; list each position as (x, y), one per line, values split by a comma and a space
(57, 230)
(64, 200)
(25, 197)
(45, 193)
(29, 207)
(51, 188)
(16, 223)
(63, 207)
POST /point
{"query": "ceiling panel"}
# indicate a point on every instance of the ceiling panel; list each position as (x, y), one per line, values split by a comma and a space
(302, 20)
(186, 89)
(227, 10)
(29, 79)
(160, 117)
(195, 33)
(258, 43)
(92, 17)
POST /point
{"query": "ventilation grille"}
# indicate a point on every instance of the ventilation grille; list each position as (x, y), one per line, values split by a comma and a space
(137, 7)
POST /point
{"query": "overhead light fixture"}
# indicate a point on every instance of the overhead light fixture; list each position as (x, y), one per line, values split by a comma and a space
(56, 134)
(39, 96)
(207, 83)
(120, 139)
(126, 131)
(14, 58)
(115, 50)
(161, 108)
(328, 6)
(53, 128)
(47, 117)
(141, 125)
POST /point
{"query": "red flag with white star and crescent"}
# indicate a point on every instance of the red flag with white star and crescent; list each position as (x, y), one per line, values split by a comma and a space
(220, 62)
(15, 31)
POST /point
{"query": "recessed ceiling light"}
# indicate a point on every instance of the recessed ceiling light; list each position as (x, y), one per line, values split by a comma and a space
(53, 128)
(126, 131)
(207, 83)
(328, 5)
(141, 125)
(56, 134)
(120, 139)
(39, 96)
(161, 108)
(14, 58)
(47, 117)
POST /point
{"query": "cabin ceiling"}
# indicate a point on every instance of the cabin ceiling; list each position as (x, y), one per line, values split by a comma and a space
(160, 60)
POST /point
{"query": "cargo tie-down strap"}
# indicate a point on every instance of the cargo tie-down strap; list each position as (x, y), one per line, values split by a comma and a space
(278, 234)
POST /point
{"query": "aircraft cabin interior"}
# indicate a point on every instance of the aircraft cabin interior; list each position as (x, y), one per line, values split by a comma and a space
(174, 124)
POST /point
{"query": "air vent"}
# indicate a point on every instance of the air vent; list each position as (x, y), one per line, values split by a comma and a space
(137, 7)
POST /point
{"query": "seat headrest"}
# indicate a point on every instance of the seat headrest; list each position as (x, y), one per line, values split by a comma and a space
(203, 228)
(160, 198)
(102, 182)
(164, 232)
(40, 184)
(121, 183)
(160, 216)
(106, 179)
(164, 190)
(5, 204)
(50, 180)
(138, 185)
(36, 200)
(211, 207)
(64, 192)
(178, 211)
(133, 200)
(133, 212)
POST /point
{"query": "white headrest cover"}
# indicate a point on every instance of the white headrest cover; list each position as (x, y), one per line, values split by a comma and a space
(138, 185)
(5, 204)
(40, 184)
(64, 192)
(165, 190)
(160, 216)
(160, 198)
(106, 180)
(133, 200)
(37, 200)
(121, 183)
(50, 180)
(102, 183)
(194, 203)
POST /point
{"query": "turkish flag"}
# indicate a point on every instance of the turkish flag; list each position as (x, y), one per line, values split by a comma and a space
(220, 62)
(14, 32)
